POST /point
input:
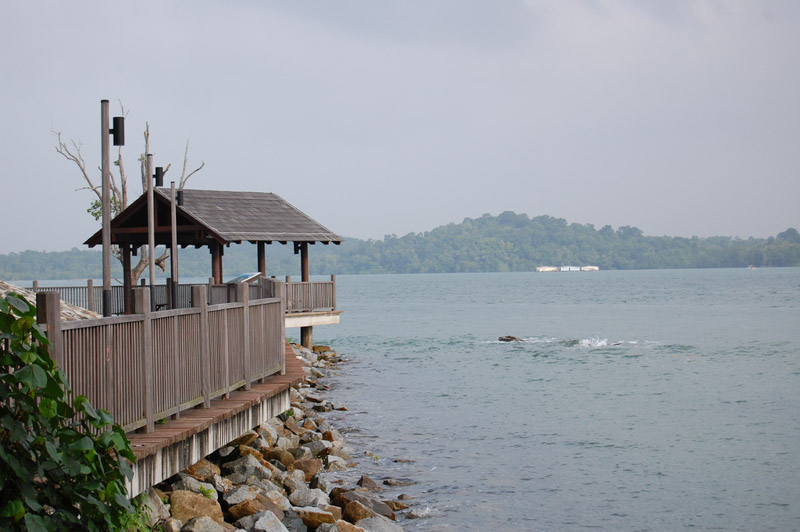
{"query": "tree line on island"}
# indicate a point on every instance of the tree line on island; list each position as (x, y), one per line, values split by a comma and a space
(507, 242)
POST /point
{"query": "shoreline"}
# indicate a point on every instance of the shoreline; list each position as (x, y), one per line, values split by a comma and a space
(281, 475)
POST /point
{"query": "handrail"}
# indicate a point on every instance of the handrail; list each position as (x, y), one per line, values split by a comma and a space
(150, 365)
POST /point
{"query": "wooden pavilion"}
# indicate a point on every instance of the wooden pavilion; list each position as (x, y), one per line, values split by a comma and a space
(215, 218)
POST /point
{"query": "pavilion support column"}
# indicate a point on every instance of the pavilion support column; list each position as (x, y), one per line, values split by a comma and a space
(216, 262)
(306, 333)
(262, 259)
(127, 289)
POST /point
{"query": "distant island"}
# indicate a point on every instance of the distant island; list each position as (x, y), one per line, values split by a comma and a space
(507, 242)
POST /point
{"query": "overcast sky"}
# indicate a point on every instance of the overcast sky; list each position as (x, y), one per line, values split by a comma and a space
(375, 117)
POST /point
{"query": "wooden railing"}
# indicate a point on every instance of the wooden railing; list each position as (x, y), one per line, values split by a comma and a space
(311, 296)
(150, 365)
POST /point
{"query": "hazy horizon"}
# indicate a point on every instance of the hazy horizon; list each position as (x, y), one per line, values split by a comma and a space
(679, 118)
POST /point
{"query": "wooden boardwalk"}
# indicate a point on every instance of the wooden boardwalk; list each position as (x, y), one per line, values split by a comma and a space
(225, 420)
(199, 419)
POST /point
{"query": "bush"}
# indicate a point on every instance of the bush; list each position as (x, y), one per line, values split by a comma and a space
(63, 466)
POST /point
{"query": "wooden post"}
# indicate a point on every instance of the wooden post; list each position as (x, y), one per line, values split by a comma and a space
(127, 284)
(48, 311)
(143, 306)
(35, 286)
(243, 296)
(199, 299)
(105, 206)
(333, 297)
(151, 237)
(306, 333)
(262, 258)
(90, 295)
(304, 262)
(173, 255)
(176, 353)
(216, 262)
(280, 293)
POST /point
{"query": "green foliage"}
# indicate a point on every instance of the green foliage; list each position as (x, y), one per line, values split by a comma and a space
(507, 242)
(206, 492)
(63, 466)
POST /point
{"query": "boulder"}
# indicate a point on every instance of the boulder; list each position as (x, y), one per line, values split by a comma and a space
(344, 526)
(189, 483)
(369, 484)
(310, 466)
(245, 439)
(342, 498)
(186, 505)
(203, 524)
(203, 470)
(247, 466)
(248, 507)
(313, 517)
(355, 511)
(154, 508)
(395, 482)
(261, 522)
(308, 497)
(334, 463)
(239, 494)
(171, 525)
(379, 524)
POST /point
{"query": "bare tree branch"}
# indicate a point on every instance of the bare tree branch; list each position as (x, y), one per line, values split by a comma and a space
(184, 177)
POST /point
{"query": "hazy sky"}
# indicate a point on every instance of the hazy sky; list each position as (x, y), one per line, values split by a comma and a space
(375, 117)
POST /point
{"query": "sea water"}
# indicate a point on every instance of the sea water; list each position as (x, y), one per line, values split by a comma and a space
(638, 400)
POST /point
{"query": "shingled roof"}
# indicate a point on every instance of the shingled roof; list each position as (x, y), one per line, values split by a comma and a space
(224, 216)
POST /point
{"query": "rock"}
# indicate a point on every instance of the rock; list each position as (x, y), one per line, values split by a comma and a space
(301, 452)
(281, 455)
(245, 467)
(379, 524)
(319, 349)
(342, 498)
(291, 424)
(279, 500)
(335, 463)
(203, 470)
(510, 338)
(245, 439)
(203, 524)
(394, 482)
(261, 522)
(405, 497)
(310, 466)
(220, 484)
(186, 505)
(313, 398)
(335, 511)
(293, 483)
(355, 511)
(245, 450)
(319, 483)
(171, 525)
(395, 505)
(293, 522)
(189, 483)
(269, 434)
(154, 508)
(308, 497)
(239, 494)
(344, 526)
(319, 447)
(247, 507)
(313, 517)
(367, 483)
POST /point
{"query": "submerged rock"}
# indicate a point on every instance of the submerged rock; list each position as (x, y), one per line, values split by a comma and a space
(510, 338)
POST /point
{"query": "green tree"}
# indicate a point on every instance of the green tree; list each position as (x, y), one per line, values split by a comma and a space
(63, 465)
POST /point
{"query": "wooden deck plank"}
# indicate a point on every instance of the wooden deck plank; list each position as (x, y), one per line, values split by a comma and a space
(196, 420)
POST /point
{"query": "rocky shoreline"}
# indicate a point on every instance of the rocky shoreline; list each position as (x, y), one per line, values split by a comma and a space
(273, 478)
